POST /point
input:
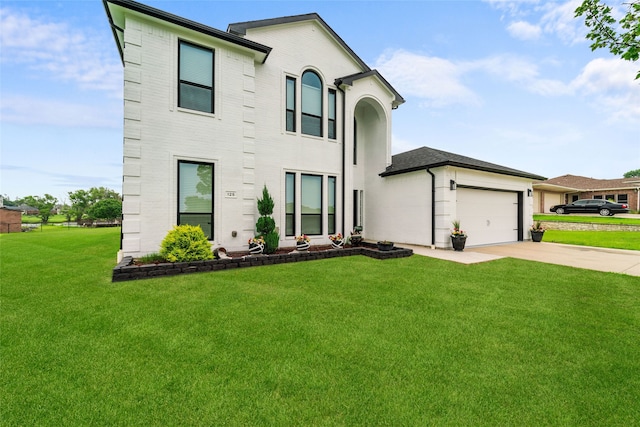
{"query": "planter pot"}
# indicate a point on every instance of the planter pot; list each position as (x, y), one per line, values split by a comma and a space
(255, 248)
(536, 236)
(302, 246)
(458, 242)
(337, 244)
(385, 246)
(356, 240)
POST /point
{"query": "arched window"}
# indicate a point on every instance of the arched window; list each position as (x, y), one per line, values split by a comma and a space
(311, 104)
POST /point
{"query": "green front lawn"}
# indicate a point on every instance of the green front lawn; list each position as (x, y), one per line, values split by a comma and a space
(602, 239)
(345, 341)
(587, 218)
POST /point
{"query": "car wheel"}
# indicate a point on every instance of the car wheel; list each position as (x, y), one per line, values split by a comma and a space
(605, 212)
(559, 211)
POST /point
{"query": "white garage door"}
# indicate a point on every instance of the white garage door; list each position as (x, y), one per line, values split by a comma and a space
(488, 216)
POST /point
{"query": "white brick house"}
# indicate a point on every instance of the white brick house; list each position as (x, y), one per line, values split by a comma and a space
(210, 117)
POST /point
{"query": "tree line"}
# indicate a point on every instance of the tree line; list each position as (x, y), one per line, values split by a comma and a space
(97, 203)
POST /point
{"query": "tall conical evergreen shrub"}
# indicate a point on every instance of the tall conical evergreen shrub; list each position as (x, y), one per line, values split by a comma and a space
(266, 226)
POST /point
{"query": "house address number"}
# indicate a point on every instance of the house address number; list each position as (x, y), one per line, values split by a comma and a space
(230, 194)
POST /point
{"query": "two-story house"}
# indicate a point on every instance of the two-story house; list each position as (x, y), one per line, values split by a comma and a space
(211, 117)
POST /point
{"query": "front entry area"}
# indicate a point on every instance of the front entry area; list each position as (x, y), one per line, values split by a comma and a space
(489, 216)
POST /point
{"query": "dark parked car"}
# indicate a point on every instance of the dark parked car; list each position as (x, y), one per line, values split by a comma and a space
(601, 206)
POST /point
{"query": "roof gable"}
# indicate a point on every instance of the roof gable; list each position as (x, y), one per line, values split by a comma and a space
(425, 157)
(240, 29)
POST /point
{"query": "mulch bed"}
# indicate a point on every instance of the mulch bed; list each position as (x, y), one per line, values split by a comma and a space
(128, 270)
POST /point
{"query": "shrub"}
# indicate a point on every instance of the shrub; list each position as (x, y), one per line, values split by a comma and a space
(271, 242)
(186, 243)
(265, 225)
(265, 205)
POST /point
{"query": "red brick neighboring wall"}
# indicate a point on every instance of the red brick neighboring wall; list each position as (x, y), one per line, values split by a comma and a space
(10, 221)
(632, 196)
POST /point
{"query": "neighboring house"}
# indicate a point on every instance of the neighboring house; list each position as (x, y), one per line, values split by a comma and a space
(10, 220)
(568, 188)
(210, 117)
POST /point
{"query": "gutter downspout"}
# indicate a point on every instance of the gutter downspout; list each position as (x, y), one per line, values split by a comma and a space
(433, 207)
(344, 165)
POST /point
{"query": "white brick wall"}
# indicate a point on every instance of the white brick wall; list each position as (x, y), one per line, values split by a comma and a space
(245, 138)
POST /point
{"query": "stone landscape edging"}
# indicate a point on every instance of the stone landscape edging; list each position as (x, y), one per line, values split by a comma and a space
(126, 269)
(588, 226)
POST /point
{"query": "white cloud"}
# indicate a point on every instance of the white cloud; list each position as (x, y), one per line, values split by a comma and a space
(36, 111)
(435, 80)
(524, 31)
(609, 84)
(552, 17)
(59, 52)
(559, 19)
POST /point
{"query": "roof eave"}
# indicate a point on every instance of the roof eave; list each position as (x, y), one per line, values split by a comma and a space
(261, 51)
(519, 174)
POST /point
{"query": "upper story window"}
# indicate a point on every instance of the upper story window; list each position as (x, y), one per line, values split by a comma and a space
(291, 104)
(311, 104)
(195, 77)
(332, 114)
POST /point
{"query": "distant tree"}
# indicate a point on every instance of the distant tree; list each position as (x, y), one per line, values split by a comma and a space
(83, 200)
(8, 202)
(107, 209)
(44, 205)
(632, 174)
(622, 38)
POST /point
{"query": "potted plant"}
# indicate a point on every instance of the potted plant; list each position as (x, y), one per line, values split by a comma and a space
(336, 240)
(537, 231)
(356, 236)
(385, 245)
(256, 245)
(458, 236)
(303, 242)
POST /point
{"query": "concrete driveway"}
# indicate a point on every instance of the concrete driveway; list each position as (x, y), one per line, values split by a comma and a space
(600, 259)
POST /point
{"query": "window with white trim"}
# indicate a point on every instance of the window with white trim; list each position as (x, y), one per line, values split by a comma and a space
(311, 204)
(331, 206)
(195, 77)
(331, 123)
(291, 104)
(311, 103)
(195, 195)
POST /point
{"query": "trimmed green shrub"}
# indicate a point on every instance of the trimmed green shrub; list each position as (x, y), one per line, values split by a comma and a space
(266, 225)
(265, 205)
(186, 243)
(271, 242)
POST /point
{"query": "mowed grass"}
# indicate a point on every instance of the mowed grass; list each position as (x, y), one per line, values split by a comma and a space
(350, 341)
(603, 239)
(617, 220)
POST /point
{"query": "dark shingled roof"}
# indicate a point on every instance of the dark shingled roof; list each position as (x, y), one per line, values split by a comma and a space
(586, 184)
(425, 157)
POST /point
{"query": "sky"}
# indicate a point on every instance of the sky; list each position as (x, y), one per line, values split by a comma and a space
(509, 82)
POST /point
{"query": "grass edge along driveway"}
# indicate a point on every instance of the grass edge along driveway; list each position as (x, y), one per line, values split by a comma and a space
(349, 341)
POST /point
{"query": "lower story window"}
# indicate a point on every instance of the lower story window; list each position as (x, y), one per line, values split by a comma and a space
(195, 195)
(623, 198)
(331, 215)
(311, 204)
(311, 209)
